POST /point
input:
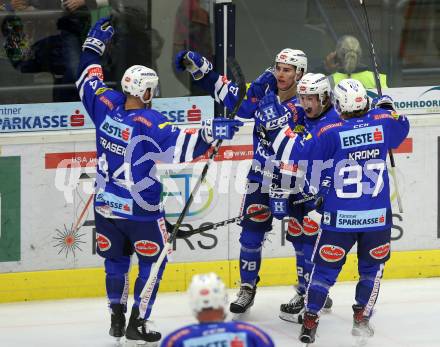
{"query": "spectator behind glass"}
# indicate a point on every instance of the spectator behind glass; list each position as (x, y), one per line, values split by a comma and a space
(192, 32)
(135, 42)
(345, 62)
(56, 54)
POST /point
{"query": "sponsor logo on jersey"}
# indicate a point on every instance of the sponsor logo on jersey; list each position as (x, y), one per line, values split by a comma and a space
(117, 203)
(381, 251)
(290, 133)
(111, 146)
(42, 122)
(116, 130)
(328, 127)
(361, 219)
(361, 137)
(266, 173)
(101, 90)
(95, 71)
(260, 218)
(364, 155)
(103, 242)
(310, 226)
(331, 253)
(190, 131)
(289, 169)
(147, 248)
(143, 120)
(106, 101)
(293, 227)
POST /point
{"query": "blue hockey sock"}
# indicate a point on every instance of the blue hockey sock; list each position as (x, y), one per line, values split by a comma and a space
(367, 288)
(322, 279)
(144, 272)
(299, 254)
(116, 279)
(250, 255)
(308, 264)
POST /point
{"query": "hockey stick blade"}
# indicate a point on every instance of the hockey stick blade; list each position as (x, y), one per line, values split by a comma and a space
(148, 289)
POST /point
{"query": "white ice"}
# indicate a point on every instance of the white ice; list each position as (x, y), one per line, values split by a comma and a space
(407, 314)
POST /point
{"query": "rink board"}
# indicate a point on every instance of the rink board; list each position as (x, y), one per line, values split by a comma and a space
(53, 196)
(63, 284)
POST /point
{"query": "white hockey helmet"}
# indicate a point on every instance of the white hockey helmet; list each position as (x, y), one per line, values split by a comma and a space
(207, 291)
(350, 95)
(137, 79)
(293, 57)
(315, 83)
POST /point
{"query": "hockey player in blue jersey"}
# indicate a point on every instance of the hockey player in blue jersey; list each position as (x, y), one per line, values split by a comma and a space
(270, 98)
(313, 93)
(208, 300)
(130, 138)
(355, 200)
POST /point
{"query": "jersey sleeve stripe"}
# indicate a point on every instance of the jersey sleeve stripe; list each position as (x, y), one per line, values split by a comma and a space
(178, 148)
(280, 137)
(189, 155)
(288, 150)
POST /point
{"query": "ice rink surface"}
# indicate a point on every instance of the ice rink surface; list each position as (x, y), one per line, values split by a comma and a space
(407, 314)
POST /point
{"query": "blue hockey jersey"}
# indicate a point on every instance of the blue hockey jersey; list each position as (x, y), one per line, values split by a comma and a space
(225, 92)
(224, 334)
(129, 143)
(354, 152)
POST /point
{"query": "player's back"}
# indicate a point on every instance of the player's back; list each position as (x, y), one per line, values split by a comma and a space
(128, 142)
(357, 148)
(222, 334)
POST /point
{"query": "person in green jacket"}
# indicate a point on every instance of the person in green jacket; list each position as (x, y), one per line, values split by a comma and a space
(345, 62)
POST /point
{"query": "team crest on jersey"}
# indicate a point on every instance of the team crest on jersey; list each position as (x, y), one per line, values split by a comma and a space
(381, 251)
(331, 253)
(147, 248)
(116, 130)
(103, 242)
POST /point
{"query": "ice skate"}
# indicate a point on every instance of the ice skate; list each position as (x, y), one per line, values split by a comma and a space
(245, 298)
(117, 328)
(327, 305)
(308, 329)
(362, 329)
(293, 310)
(139, 332)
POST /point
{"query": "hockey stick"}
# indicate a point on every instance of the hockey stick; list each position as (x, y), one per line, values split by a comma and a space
(148, 289)
(191, 231)
(379, 91)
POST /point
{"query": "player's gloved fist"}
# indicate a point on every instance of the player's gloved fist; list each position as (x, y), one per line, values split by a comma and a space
(219, 129)
(192, 62)
(385, 102)
(270, 113)
(264, 84)
(279, 199)
(99, 36)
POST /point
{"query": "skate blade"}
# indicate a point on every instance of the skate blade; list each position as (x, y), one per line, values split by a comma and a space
(360, 341)
(240, 316)
(140, 343)
(291, 318)
(326, 310)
